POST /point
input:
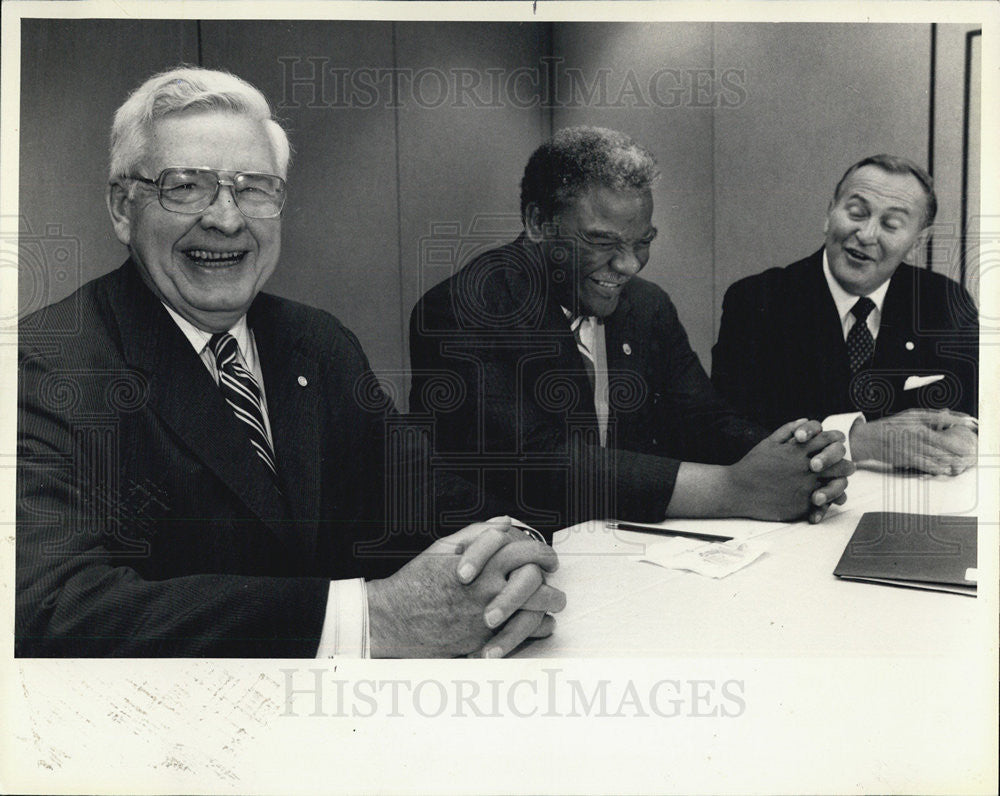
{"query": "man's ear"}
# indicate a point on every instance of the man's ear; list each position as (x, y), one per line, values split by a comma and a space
(119, 207)
(919, 243)
(826, 218)
(533, 224)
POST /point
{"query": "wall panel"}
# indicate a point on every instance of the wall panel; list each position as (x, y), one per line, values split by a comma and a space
(465, 134)
(340, 230)
(949, 120)
(819, 98)
(73, 77)
(651, 73)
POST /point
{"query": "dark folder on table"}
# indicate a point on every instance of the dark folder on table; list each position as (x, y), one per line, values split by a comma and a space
(919, 551)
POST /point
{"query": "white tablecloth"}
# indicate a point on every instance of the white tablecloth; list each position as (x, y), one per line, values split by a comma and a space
(786, 603)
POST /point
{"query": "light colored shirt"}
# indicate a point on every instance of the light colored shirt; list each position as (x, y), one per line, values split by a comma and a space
(345, 626)
(591, 333)
(844, 301)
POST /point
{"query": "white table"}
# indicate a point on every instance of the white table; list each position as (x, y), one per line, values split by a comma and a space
(786, 603)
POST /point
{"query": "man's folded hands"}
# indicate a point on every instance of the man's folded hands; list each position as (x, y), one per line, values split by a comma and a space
(798, 471)
(480, 591)
(939, 442)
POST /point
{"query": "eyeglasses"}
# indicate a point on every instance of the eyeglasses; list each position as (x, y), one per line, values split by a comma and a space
(194, 190)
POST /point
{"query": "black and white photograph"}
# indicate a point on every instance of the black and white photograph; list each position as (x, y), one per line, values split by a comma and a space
(499, 397)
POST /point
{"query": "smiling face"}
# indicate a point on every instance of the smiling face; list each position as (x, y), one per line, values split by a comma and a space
(875, 224)
(611, 234)
(207, 266)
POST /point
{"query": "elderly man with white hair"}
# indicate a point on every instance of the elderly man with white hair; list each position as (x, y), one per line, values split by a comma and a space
(196, 472)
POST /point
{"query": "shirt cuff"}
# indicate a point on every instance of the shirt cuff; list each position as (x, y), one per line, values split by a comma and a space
(843, 423)
(345, 626)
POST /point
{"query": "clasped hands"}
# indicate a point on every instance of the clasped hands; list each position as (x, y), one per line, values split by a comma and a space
(799, 470)
(480, 591)
(939, 442)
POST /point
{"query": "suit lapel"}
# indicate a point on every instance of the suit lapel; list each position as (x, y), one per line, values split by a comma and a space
(551, 325)
(292, 385)
(896, 324)
(617, 335)
(824, 332)
(185, 397)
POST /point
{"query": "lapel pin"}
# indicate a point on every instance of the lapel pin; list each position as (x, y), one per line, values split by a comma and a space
(627, 349)
(303, 381)
(909, 345)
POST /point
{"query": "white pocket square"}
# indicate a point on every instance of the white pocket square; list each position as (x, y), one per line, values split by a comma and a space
(915, 382)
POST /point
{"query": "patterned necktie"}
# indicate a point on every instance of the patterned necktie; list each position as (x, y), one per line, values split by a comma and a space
(860, 343)
(588, 356)
(241, 392)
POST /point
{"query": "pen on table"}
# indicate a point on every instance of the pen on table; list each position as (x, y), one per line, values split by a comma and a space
(705, 537)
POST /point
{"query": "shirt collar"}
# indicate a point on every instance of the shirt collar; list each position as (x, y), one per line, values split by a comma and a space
(586, 319)
(199, 338)
(845, 300)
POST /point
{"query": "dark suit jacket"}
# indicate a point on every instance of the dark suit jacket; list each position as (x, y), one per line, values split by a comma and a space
(146, 525)
(781, 352)
(497, 368)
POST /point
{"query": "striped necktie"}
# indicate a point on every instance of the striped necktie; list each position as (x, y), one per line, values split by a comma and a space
(241, 392)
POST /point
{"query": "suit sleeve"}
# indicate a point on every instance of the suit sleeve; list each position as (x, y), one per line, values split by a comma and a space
(530, 459)
(78, 595)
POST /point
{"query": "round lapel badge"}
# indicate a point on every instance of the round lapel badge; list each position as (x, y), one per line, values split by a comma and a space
(627, 349)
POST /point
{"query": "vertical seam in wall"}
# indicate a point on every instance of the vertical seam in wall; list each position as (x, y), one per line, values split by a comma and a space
(966, 108)
(715, 231)
(932, 99)
(399, 216)
(549, 107)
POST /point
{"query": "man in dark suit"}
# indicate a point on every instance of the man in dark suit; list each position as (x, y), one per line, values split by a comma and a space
(576, 392)
(791, 341)
(201, 466)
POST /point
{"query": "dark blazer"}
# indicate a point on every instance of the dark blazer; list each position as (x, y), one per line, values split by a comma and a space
(781, 352)
(497, 370)
(145, 524)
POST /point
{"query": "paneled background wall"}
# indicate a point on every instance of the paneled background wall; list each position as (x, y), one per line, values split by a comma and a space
(410, 139)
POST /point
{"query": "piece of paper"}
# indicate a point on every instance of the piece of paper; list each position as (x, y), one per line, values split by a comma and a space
(714, 560)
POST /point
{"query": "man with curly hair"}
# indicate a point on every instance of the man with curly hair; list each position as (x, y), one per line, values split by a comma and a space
(581, 395)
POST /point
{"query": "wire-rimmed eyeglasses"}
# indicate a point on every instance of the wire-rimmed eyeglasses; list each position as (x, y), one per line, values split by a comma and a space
(193, 190)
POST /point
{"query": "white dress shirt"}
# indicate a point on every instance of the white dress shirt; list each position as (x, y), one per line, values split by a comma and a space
(844, 301)
(345, 625)
(592, 338)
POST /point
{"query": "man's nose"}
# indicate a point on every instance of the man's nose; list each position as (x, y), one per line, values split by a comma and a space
(223, 214)
(868, 231)
(625, 262)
